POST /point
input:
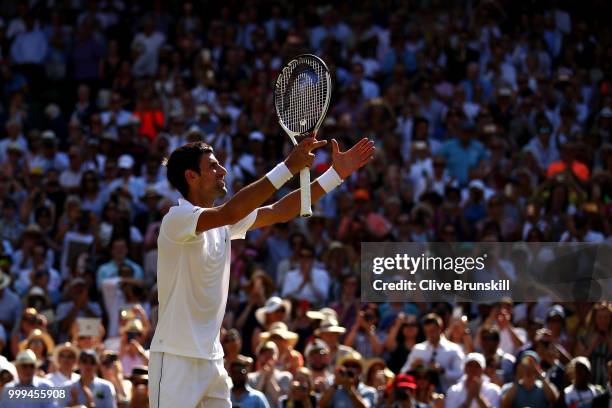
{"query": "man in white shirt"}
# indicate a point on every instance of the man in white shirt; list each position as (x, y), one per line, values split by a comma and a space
(186, 364)
(436, 352)
(307, 282)
(473, 390)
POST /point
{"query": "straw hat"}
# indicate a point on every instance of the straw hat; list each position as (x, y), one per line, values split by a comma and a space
(326, 313)
(280, 329)
(353, 356)
(330, 326)
(63, 347)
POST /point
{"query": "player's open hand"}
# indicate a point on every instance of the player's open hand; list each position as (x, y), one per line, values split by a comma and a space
(301, 156)
(345, 163)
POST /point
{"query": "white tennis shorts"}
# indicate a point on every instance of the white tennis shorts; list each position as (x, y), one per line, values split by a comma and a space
(185, 382)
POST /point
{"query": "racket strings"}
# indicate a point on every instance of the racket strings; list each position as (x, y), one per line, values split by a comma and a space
(301, 95)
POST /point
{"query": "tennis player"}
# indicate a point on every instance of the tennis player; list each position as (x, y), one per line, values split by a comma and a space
(193, 268)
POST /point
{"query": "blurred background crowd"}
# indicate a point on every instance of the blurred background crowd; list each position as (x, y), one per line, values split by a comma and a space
(492, 121)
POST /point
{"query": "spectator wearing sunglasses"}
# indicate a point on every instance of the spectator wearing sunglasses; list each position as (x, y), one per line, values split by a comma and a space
(26, 365)
(64, 359)
(437, 353)
(348, 389)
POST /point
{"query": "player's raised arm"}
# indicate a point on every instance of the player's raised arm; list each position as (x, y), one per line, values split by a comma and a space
(197, 174)
(343, 165)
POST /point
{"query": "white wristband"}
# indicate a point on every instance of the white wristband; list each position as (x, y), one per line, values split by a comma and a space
(279, 175)
(329, 180)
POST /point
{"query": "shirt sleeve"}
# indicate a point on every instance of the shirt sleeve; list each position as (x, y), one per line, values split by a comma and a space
(181, 222)
(239, 229)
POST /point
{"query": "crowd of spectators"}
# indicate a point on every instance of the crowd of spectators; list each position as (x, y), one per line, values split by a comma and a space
(492, 122)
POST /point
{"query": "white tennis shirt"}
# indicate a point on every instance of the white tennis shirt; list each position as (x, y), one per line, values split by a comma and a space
(193, 272)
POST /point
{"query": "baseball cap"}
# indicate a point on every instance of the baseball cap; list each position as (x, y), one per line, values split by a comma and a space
(405, 381)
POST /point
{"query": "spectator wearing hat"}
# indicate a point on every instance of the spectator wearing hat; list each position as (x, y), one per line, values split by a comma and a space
(42, 344)
(242, 394)
(401, 393)
(473, 390)
(14, 135)
(289, 359)
(140, 387)
(377, 376)
(308, 282)
(28, 321)
(348, 389)
(10, 304)
(318, 361)
(274, 310)
(8, 372)
(530, 387)
(65, 361)
(329, 331)
(26, 364)
(130, 185)
(581, 393)
(436, 352)
(49, 157)
(267, 378)
(90, 389)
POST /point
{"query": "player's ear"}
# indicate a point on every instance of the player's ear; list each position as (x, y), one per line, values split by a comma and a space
(190, 174)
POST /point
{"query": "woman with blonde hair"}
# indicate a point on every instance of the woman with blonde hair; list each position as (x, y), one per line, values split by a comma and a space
(596, 343)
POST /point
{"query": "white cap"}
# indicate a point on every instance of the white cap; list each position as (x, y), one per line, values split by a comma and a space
(126, 161)
(257, 135)
(477, 184)
(582, 361)
(477, 357)
(25, 357)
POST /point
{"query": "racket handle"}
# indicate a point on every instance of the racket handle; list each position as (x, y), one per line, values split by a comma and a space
(305, 210)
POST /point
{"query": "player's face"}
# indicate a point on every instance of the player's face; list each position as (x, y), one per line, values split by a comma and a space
(210, 181)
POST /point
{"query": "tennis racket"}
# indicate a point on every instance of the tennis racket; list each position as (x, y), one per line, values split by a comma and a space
(301, 97)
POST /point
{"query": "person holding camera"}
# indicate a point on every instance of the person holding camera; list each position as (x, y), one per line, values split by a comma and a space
(348, 389)
(364, 336)
(131, 350)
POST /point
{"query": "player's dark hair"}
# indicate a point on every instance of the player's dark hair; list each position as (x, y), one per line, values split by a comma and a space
(184, 158)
